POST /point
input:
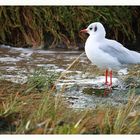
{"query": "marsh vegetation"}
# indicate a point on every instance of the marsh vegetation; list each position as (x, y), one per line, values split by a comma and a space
(59, 26)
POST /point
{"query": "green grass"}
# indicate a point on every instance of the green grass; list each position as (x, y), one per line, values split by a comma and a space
(41, 80)
(53, 116)
(46, 112)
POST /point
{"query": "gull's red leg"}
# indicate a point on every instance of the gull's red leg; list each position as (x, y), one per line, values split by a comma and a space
(106, 77)
(106, 82)
(110, 78)
(109, 85)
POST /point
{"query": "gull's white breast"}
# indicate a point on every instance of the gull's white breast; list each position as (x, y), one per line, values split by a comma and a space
(99, 57)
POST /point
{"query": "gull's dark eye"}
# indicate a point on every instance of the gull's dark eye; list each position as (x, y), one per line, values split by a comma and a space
(90, 28)
(95, 28)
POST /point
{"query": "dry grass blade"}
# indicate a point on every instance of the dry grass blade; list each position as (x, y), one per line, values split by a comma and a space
(123, 115)
(65, 72)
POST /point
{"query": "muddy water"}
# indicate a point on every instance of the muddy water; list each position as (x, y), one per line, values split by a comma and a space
(81, 83)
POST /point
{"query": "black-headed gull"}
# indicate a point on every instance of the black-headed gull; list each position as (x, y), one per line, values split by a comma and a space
(106, 53)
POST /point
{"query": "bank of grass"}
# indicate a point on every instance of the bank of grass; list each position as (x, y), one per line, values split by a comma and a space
(55, 117)
(44, 26)
(40, 111)
(48, 114)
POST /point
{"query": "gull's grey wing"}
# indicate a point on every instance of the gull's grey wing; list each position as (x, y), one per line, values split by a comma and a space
(116, 50)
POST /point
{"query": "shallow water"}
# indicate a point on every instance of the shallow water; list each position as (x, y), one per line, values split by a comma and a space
(81, 82)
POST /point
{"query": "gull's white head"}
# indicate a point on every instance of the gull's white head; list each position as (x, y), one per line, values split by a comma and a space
(95, 29)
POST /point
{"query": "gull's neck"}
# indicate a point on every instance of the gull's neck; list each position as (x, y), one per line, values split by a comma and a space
(98, 37)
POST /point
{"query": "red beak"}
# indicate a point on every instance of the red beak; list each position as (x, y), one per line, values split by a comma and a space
(83, 31)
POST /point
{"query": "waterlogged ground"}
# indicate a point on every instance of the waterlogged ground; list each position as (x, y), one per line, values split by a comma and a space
(83, 84)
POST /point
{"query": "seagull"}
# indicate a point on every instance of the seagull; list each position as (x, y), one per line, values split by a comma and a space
(107, 53)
